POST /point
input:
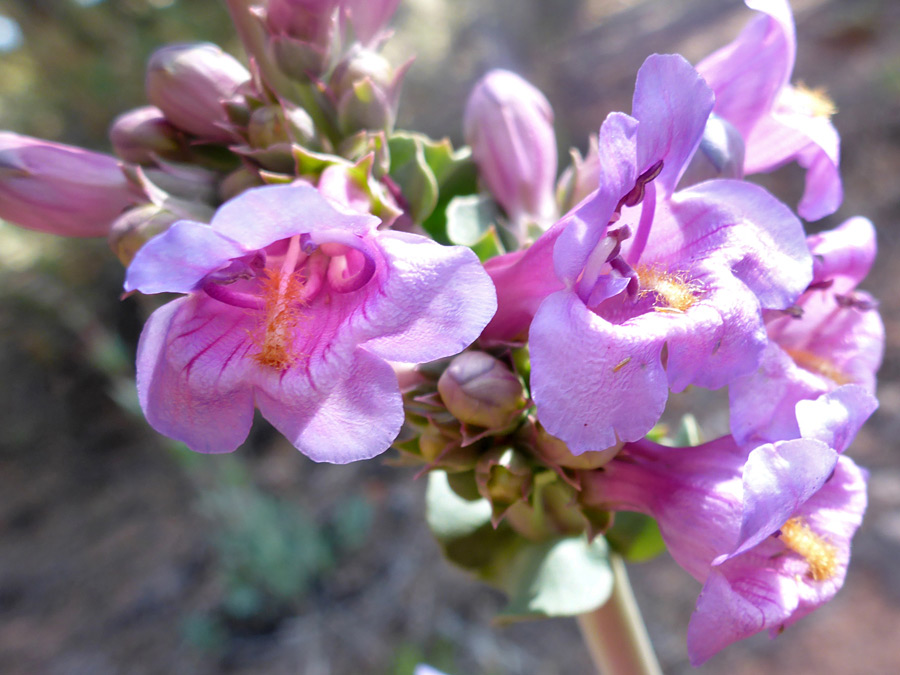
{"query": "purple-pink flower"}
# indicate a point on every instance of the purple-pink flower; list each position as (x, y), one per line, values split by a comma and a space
(295, 308)
(61, 189)
(832, 337)
(780, 122)
(653, 289)
(765, 528)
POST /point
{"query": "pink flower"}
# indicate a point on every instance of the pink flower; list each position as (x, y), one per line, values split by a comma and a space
(780, 122)
(833, 337)
(650, 288)
(766, 528)
(296, 308)
(60, 189)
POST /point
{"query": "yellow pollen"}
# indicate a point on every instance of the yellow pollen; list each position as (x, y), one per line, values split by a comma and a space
(818, 553)
(815, 100)
(279, 320)
(673, 292)
(818, 365)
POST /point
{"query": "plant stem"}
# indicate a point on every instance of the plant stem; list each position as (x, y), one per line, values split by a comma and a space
(615, 633)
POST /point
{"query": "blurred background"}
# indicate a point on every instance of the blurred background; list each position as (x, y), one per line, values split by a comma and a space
(124, 553)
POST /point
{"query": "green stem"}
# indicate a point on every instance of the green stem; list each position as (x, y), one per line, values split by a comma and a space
(615, 633)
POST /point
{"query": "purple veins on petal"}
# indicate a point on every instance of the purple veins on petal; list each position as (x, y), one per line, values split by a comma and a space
(293, 306)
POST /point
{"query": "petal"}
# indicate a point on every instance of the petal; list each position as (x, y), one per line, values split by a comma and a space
(824, 191)
(177, 260)
(778, 478)
(672, 103)
(841, 345)
(835, 512)
(191, 371)
(357, 418)
(835, 418)
(522, 280)
(813, 142)
(433, 300)
(261, 216)
(735, 603)
(762, 403)
(742, 225)
(594, 382)
(585, 225)
(747, 74)
(718, 339)
(844, 254)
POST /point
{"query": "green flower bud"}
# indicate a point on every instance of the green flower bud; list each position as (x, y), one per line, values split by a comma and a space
(556, 453)
(504, 478)
(276, 124)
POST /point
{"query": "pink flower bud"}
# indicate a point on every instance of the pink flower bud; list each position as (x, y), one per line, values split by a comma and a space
(143, 134)
(190, 83)
(509, 125)
(60, 189)
(478, 389)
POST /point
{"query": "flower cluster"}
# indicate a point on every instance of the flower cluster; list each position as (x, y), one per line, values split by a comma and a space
(516, 334)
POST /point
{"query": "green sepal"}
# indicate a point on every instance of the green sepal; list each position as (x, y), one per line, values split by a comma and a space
(410, 171)
(456, 175)
(635, 537)
(471, 221)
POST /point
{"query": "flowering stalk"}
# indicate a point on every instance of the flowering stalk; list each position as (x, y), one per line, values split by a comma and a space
(615, 634)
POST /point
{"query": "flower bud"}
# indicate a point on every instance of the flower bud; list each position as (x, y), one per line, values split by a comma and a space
(504, 478)
(369, 17)
(509, 125)
(190, 83)
(367, 89)
(60, 189)
(143, 134)
(276, 124)
(480, 390)
(136, 227)
(556, 453)
(719, 155)
(242, 178)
